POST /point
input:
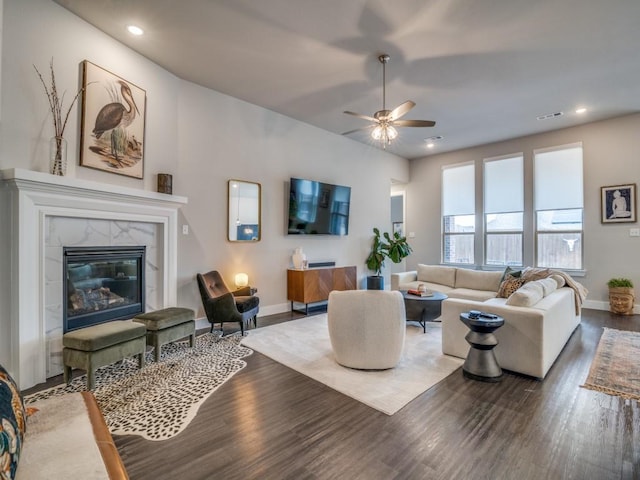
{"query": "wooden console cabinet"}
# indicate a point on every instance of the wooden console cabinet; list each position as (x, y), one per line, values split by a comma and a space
(315, 284)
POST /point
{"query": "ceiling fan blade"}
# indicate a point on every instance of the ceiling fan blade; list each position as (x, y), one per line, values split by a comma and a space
(358, 130)
(413, 123)
(371, 119)
(401, 110)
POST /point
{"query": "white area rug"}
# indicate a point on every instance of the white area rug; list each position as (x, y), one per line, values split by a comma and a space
(304, 346)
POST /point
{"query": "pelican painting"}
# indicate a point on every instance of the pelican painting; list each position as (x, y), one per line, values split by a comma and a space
(113, 121)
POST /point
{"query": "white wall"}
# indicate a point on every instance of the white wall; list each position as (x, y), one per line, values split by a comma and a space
(610, 150)
(201, 137)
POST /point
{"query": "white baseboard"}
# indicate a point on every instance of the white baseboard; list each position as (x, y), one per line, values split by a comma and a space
(286, 307)
(604, 305)
(274, 309)
(202, 322)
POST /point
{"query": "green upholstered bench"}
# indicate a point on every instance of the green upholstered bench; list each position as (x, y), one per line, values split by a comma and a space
(168, 325)
(99, 345)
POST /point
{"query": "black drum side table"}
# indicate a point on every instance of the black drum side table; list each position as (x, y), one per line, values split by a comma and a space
(481, 363)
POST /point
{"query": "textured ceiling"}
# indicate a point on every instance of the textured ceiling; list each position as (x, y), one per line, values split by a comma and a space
(483, 70)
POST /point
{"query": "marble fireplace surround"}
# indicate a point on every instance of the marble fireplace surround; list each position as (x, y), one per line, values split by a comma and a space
(44, 212)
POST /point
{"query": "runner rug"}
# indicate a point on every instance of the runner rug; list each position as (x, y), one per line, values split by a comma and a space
(615, 369)
(304, 346)
(158, 401)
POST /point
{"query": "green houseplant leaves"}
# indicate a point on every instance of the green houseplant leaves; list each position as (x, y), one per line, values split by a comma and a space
(620, 282)
(395, 248)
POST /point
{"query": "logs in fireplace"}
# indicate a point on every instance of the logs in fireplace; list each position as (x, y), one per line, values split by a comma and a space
(102, 284)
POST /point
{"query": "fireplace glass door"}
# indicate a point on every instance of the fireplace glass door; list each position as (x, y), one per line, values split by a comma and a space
(102, 284)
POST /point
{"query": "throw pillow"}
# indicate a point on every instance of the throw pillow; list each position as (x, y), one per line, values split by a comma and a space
(508, 286)
(510, 272)
(526, 296)
(12, 425)
(549, 285)
(559, 280)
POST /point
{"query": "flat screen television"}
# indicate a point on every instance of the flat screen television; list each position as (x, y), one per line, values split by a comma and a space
(317, 208)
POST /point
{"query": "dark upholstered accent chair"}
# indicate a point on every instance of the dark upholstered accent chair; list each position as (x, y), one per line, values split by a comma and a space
(223, 305)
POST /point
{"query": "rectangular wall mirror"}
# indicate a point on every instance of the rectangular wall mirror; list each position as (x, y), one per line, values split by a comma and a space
(244, 211)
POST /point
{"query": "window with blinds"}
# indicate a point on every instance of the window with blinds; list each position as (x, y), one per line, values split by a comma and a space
(503, 209)
(558, 204)
(458, 214)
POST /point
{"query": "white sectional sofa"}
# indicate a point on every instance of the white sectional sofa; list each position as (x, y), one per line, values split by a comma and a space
(538, 321)
(454, 282)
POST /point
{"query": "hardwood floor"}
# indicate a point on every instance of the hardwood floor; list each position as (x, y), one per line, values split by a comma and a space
(270, 422)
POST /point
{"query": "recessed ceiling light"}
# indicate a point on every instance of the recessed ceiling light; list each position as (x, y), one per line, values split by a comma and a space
(580, 110)
(135, 30)
(431, 141)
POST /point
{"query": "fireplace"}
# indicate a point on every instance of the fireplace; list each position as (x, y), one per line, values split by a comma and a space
(102, 284)
(44, 213)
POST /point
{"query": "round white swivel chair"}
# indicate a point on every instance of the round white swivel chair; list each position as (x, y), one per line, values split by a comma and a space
(367, 328)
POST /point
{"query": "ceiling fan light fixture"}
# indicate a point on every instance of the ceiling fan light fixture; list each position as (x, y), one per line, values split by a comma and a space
(376, 133)
(384, 134)
(384, 121)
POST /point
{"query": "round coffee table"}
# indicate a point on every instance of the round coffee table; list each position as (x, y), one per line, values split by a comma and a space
(423, 309)
(481, 363)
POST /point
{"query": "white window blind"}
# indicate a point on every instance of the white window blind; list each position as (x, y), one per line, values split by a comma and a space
(504, 185)
(458, 190)
(558, 178)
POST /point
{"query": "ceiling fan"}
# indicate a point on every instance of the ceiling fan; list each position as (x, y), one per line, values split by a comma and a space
(385, 121)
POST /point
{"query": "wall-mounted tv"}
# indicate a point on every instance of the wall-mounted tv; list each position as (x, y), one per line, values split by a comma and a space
(317, 208)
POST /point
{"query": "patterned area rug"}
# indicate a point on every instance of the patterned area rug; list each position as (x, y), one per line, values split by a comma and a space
(160, 400)
(615, 369)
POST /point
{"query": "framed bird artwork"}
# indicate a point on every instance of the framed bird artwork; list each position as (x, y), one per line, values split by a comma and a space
(113, 123)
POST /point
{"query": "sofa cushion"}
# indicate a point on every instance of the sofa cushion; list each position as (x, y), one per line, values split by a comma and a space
(559, 280)
(478, 279)
(549, 285)
(436, 287)
(509, 285)
(12, 425)
(68, 439)
(437, 274)
(471, 294)
(496, 301)
(527, 295)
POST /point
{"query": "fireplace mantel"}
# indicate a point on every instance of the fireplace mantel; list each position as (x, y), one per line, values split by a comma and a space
(43, 182)
(27, 200)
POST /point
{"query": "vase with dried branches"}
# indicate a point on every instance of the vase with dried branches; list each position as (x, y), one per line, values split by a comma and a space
(58, 145)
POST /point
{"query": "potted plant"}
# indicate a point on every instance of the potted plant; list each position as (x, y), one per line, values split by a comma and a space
(621, 296)
(394, 248)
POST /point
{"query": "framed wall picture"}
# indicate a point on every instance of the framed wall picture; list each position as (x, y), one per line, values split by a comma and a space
(113, 123)
(398, 227)
(618, 203)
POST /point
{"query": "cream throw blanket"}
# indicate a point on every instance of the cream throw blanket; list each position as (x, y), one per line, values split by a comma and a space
(530, 273)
